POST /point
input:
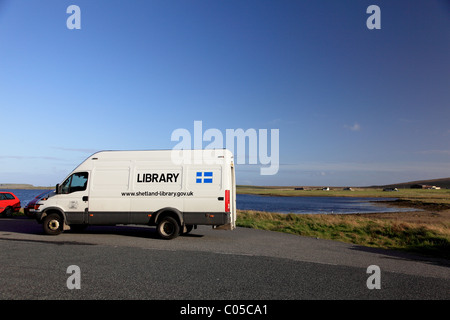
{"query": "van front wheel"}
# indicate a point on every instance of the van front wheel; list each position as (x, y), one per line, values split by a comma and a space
(53, 224)
(168, 228)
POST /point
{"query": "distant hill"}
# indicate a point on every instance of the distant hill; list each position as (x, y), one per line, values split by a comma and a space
(21, 186)
(443, 183)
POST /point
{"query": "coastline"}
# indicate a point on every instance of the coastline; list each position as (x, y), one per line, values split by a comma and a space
(425, 228)
(15, 186)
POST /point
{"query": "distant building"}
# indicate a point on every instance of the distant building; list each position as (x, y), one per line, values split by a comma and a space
(423, 186)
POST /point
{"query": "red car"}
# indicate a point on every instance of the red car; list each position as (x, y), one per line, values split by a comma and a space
(9, 203)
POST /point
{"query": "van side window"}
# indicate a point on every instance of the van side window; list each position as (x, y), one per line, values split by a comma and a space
(74, 183)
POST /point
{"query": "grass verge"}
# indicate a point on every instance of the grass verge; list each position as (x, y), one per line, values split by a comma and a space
(429, 239)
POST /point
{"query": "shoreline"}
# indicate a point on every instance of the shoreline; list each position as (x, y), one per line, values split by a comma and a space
(426, 232)
(23, 187)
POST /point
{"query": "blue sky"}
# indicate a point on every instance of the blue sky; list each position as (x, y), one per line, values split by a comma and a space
(353, 106)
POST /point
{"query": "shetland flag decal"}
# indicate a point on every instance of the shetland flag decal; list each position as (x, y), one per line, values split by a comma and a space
(204, 177)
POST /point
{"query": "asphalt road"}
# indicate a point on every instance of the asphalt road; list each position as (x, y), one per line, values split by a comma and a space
(130, 262)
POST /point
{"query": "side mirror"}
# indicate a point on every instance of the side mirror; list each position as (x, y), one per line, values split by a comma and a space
(57, 188)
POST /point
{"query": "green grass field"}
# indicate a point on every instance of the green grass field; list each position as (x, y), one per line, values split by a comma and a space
(427, 196)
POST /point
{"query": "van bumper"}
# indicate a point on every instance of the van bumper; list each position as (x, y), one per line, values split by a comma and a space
(202, 218)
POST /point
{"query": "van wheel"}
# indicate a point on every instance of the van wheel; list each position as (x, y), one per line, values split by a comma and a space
(53, 224)
(168, 228)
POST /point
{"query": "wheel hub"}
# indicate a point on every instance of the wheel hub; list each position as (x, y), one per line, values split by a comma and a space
(53, 225)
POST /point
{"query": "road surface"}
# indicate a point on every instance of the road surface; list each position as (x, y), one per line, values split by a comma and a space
(130, 262)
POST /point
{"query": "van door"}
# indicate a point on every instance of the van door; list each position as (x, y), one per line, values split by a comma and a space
(230, 200)
(109, 194)
(233, 197)
(73, 197)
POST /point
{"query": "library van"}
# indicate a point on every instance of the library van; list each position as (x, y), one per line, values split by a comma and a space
(174, 190)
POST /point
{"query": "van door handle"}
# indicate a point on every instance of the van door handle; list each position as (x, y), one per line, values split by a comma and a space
(85, 198)
(220, 198)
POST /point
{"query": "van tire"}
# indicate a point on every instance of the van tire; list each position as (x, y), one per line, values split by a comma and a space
(53, 224)
(168, 228)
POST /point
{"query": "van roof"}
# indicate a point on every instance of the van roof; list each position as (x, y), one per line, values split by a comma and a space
(159, 155)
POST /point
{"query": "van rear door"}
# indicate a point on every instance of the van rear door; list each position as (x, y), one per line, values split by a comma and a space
(233, 198)
(230, 200)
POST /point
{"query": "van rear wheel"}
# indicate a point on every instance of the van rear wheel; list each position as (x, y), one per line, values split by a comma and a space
(168, 228)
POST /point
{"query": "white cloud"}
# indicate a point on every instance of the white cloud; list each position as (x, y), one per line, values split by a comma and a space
(357, 173)
(91, 151)
(438, 152)
(355, 127)
(18, 157)
(439, 168)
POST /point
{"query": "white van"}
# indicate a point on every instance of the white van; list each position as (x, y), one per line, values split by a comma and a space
(175, 190)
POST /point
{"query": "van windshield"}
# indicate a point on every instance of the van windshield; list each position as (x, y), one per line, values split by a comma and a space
(76, 182)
